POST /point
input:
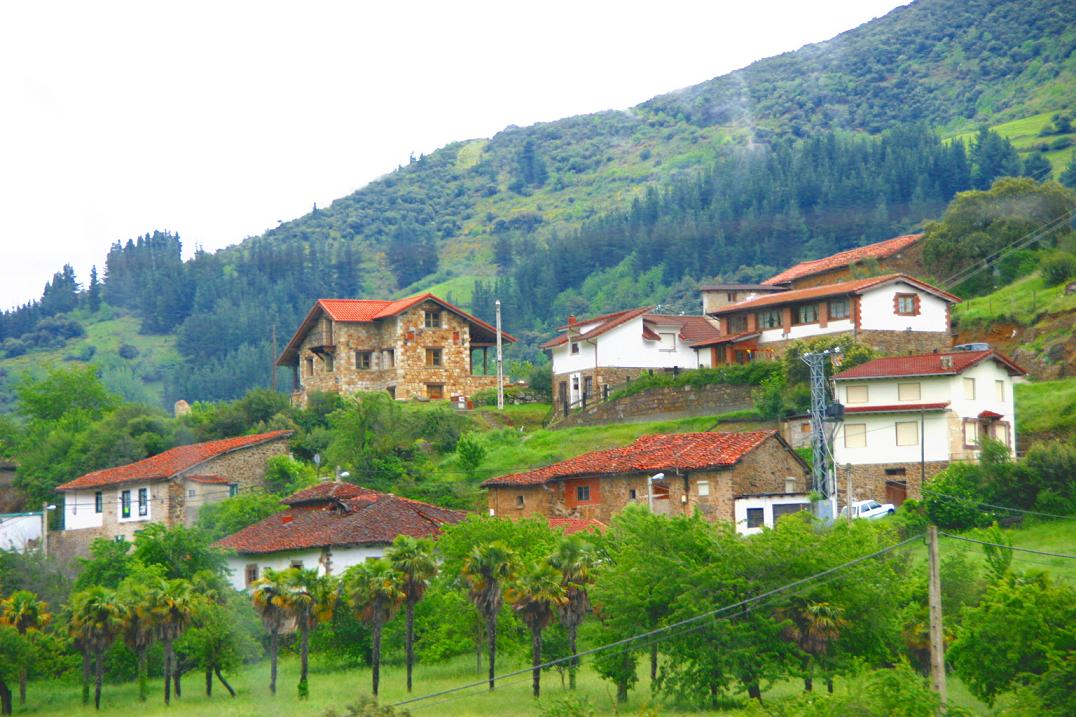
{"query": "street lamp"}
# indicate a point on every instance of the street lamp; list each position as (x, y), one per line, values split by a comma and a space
(650, 488)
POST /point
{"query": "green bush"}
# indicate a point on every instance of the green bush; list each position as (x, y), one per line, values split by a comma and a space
(1057, 267)
(752, 374)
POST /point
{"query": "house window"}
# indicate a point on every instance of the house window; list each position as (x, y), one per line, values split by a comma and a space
(807, 314)
(251, 573)
(790, 484)
(143, 501)
(906, 304)
(388, 358)
(519, 502)
(392, 392)
(233, 490)
(582, 494)
(838, 309)
(769, 319)
(780, 510)
(805, 427)
(907, 433)
(125, 504)
(364, 360)
(668, 341)
(908, 392)
(298, 564)
(632, 494)
(191, 492)
(857, 394)
(737, 324)
(755, 517)
(329, 364)
(971, 433)
(98, 502)
(896, 471)
(435, 391)
(999, 391)
(433, 320)
(704, 488)
(855, 435)
(575, 346)
(309, 365)
(1001, 433)
(434, 358)
(969, 389)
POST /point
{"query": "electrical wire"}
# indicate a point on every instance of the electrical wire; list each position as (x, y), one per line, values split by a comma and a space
(1007, 547)
(954, 498)
(664, 629)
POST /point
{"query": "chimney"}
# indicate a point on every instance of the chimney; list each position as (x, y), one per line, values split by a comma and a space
(572, 321)
(946, 362)
(285, 519)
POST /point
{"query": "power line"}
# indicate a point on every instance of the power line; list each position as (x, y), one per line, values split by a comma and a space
(1007, 547)
(997, 507)
(666, 628)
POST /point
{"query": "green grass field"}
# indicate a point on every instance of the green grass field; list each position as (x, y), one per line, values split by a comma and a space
(1046, 407)
(1021, 302)
(1024, 135)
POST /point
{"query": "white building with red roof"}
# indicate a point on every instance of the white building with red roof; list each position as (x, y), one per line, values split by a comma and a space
(749, 478)
(169, 487)
(894, 313)
(908, 417)
(419, 347)
(330, 527)
(591, 356)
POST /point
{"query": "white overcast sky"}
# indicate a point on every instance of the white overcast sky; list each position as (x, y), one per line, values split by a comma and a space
(215, 120)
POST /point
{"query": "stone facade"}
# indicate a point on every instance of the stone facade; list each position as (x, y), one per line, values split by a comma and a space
(885, 342)
(908, 260)
(659, 404)
(770, 469)
(886, 482)
(392, 354)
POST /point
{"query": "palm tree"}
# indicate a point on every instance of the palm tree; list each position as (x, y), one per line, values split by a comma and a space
(272, 600)
(24, 612)
(486, 569)
(574, 558)
(814, 627)
(135, 598)
(535, 595)
(413, 560)
(312, 600)
(375, 590)
(172, 608)
(95, 623)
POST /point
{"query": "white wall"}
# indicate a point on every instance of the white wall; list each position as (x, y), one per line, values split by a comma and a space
(113, 500)
(766, 503)
(625, 347)
(79, 510)
(882, 439)
(877, 313)
(342, 559)
(805, 331)
(16, 529)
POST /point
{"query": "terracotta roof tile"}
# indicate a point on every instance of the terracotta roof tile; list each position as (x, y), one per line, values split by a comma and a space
(686, 451)
(608, 322)
(371, 517)
(926, 365)
(169, 463)
(879, 250)
(730, 339)
(855, 286)
(570, 526)
(692, 328)
(327, 491)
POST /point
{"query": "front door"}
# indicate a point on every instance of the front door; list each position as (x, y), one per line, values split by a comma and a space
(895, 491)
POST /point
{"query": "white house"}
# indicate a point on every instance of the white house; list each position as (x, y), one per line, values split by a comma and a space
(592, 355)
(894, 313)
(19, 530)
(329, 527)
(908, 417)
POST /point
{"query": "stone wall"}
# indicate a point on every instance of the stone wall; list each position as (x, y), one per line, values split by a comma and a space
(504, 501)
(245, 467)
(869, 481)
(659, 404)
(890, 343)
(66, 545)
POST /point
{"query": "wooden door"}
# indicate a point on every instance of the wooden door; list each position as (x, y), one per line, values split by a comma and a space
(896, 491)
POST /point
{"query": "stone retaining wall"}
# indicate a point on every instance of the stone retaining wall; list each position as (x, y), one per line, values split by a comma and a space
(662, 404)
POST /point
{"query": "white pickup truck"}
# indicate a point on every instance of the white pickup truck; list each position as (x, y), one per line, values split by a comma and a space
(869, 509)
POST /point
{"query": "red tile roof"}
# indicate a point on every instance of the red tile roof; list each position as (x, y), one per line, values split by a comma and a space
(730, 339)
(685, 451)
(879, 250)
(897, 408)
(167, 464)
(570, 526)
(926, 365)
(608, 322)
(370, 517)
(368, 310)
(691, 328)
(327, 491)
(855, 286)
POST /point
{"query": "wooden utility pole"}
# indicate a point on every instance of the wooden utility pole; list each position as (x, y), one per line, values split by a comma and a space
(937, 634)
(848, 496)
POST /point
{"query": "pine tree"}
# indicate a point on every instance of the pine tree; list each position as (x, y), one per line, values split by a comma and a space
(93, 293)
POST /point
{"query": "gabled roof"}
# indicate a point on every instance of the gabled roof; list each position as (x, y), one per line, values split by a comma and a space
(940, 364)
(729, 339)
(661, 452)
(359, 311)
(363, 517)
(690, 328)
(604, 323)
(843, 288)
(879, 250)
(167, 464)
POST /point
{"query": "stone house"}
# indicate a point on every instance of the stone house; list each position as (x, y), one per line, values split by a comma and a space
(908, 417)
(903, 254)
(591, 356)
(330, 527)
(168, 488)
(418, 347)
(749, 479)
(894, 313)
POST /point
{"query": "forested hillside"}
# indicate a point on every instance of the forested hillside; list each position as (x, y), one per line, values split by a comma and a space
(828, 147)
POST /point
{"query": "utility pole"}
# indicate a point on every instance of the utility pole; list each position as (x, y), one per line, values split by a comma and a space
(500, 361)
(848, 495)
(45, 529)
(822, 482)
(937, 635)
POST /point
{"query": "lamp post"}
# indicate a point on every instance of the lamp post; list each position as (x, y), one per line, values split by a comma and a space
(650, 488)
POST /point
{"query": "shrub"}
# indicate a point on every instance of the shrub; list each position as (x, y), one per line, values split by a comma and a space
(952, 498)
(128, 351)
(1057, 267)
